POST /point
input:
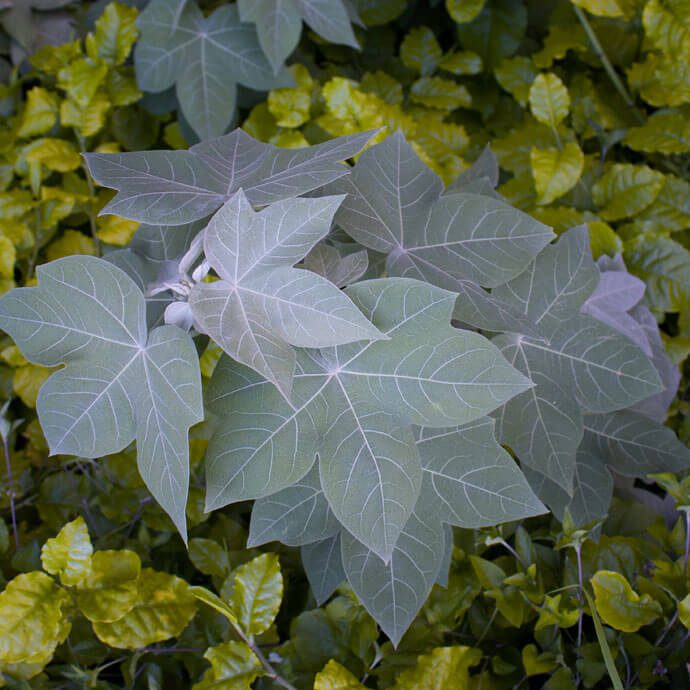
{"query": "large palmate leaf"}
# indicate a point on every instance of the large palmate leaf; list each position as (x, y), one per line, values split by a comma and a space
(178, 187)
(121, 382)
(262, 306)
(323, 565)
(578, 363)
(393, 591)
(395, 205)
(279, 24)
(353, 405)
(204, 57)
(471, 480)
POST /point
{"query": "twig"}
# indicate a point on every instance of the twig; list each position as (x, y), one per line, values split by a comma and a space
(92, 194)
(606, 63)
(10, 492)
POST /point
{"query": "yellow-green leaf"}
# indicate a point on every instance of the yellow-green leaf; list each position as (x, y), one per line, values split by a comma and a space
(87, 119)
(336, 677)
(56, 154)
(549, 99)
(116, 230)
(290, 107)
(82, 78)
(667, 25)
(233, 667)
(463, 11)
(664, 132)
(664, 265)
(27, 382)
(684, 611)
(606, 8)
(209, 557)
(163, 608)
(670, 211)
(552, 612)
(437, 92)
(121, 86)
(114, 35)
(51, 58)
(603, 239)
(109, 590)
(444, 667)
(215, 602)
(535, 663)
(556, 171)
(68, 555)
(619, 605)
(462, 62)
(32, 622)
(257, 593)
(8, 255)
(39, 114)
(70, 242)
(516, 76)
(625, 190)
(15, 203)
(420, 50)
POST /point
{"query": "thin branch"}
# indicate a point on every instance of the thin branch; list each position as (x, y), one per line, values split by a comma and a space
(10, 491)
(605, 62)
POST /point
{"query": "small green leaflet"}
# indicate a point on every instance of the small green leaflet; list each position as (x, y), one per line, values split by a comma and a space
(121, 382)
(578, 363)
(178, 187)
(204, 57)
(262, 305)
(279, 24)
(354, 406)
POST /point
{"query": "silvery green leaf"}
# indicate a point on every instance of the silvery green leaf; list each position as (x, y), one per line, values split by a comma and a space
(160, 243)
(609, 372)
(471, 479)
(178, 187)
(656, 406)
(557, 283)
(592, 490)
(339, 270)
(393, 592)
(634, 445)
(205, 57)
(119, 382)
(617, 292)
(261, 305)
(351, 405)
(477, 307)
(143, 273)
(278, 26)
(295, 516)
(544, 424)
(394, 205)
(330, 19)
(323, 565)
(480, 178)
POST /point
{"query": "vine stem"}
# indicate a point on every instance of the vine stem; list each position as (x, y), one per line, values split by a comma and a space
(605, 62)
(92, 194)
(687, 543)
(10, 492)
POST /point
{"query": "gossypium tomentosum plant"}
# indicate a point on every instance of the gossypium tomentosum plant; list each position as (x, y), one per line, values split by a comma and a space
(382, 336)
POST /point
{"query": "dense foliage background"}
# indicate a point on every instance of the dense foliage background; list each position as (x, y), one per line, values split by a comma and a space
(586, 105)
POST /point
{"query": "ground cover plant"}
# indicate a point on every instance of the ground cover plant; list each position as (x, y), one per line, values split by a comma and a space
(345, 344)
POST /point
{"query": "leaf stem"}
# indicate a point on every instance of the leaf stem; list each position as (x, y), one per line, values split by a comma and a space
(92, 194)
(605, 62)
(687, 543)
(10, 492)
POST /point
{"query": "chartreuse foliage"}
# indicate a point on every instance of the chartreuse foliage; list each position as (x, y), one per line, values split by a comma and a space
(355, 418)
(129, 606)
(397, 365)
